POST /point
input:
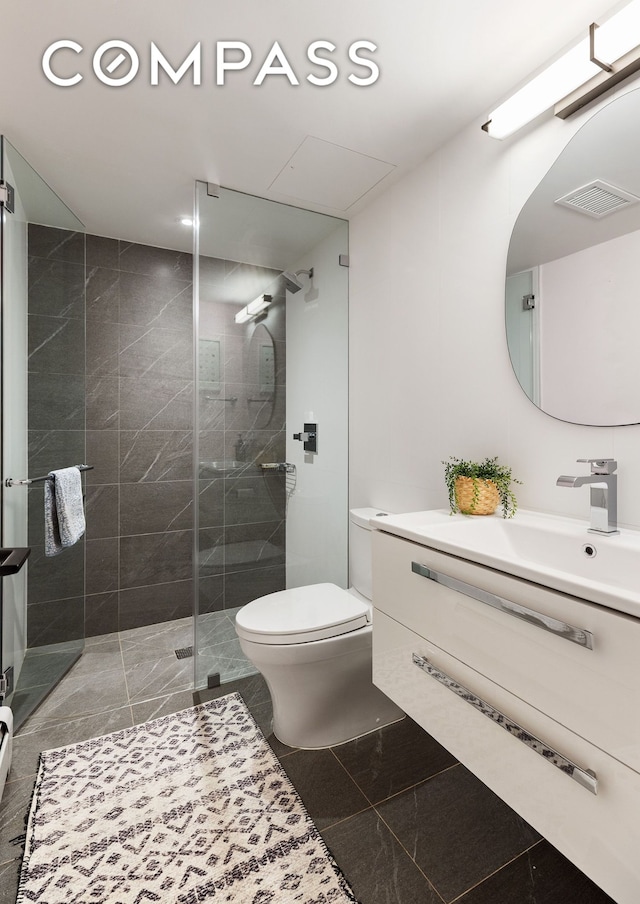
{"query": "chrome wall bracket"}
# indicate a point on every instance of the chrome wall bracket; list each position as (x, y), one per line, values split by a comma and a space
(7, 196)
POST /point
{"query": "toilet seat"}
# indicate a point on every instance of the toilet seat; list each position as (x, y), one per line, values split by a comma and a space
(302, 614)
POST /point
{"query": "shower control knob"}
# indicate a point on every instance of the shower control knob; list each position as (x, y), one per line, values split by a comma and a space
(308, 437)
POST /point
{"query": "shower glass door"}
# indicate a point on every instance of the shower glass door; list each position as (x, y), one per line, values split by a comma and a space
(271, 356)
(43, 426)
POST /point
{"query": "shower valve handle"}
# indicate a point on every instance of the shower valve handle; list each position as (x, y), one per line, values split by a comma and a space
(308, 437)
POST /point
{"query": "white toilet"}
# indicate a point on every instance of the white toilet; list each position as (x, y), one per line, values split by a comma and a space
(312, 644)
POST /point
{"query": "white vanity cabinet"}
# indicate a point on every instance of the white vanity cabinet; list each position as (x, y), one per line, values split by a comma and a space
(536, 692)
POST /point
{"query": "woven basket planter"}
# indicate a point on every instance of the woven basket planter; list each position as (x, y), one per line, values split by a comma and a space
(476, 496)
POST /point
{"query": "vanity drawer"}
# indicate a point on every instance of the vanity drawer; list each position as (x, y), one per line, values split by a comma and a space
(593, 691)
(598, 832)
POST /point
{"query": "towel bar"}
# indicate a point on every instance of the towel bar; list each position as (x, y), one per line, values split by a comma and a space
(10, 482)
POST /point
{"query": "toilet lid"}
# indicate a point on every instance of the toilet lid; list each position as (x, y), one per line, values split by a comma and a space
(301, 614)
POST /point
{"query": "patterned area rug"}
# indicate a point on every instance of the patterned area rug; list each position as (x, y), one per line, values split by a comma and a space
(190, 808)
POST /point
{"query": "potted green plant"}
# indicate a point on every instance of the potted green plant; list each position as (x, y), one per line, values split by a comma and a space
(476, 488)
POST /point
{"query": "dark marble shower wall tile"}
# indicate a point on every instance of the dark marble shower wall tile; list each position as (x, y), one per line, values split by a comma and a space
(141, 606)
(160, 262)
(151, 351)
(249, 499)
(155, 558)
(211, 594)
(211, 272)
(56, 345)
(103, 252)
(103, 295)
(251, 546)
(378, 869)
(242, 587)
(155, 301)
(55, 621)
(211, 552)
(457, 829)
(103, 402)
(267, 446)
(103, 345)
(56, 288)
(56, 401)
(212, 447)
(211, 503)
(159, 403)
(56, 244)
(52, 578)
(53, 449)
(102, 511)
(101, 613)
(156, 507)
(103, 453)
(102, 565)
(155, 455)
(396, 758)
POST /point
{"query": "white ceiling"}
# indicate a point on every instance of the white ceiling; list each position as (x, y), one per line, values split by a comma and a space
(125, 159)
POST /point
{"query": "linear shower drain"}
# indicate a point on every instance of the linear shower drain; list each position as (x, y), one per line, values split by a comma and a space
(184, 653)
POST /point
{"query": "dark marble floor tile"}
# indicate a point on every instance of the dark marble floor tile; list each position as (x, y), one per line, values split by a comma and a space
(77, 696)
(395, 758)
(161, 706)
(252, 688)
(14, 810)
(540, 875)
(376, 866)
(9, 876)
(159, 677)
(327, 791)
(155, 641)
(31, 741)
(457, 830)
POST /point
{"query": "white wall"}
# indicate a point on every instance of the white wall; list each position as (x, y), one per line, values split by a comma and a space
(429, 367)
(317, 375)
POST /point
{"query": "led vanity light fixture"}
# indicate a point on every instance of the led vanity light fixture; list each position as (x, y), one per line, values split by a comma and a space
(608, 55)
(255, 307)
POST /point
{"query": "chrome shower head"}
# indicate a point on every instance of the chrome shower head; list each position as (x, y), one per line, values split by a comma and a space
(292, 281)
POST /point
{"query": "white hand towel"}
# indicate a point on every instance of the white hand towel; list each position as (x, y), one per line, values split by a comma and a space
(64, 521)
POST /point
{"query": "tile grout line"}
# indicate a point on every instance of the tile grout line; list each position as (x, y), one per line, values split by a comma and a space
(496, 871)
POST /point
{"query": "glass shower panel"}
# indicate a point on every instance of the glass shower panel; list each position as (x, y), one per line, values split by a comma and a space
(43, 426)
(251, 475)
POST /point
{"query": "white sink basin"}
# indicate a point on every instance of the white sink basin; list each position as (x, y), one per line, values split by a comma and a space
(551, 550)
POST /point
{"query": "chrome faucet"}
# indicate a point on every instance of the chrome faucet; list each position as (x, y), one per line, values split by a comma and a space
(604, 493)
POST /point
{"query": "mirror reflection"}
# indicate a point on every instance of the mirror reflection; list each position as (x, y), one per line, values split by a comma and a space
(573, 276)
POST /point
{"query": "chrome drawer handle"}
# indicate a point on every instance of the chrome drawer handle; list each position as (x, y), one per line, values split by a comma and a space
(584, 777)
(560, 629)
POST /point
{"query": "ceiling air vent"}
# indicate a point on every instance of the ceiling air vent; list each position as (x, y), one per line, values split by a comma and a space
(597, 199)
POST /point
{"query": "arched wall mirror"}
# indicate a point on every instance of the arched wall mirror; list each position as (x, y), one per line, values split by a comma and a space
(573, 276)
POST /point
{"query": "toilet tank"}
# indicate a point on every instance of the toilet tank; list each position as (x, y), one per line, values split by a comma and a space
(360, 565)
